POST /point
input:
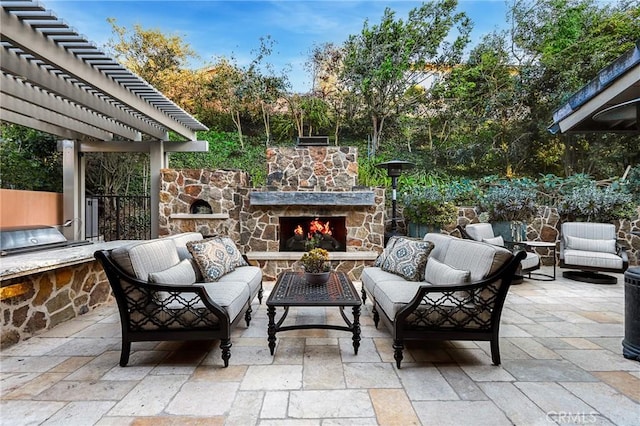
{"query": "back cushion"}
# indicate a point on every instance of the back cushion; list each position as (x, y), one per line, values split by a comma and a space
(594, 231)
(440, 244)
(479, 231)
(438, 273)
(181, 241)
(480, 259)
(586, 244)
(144, 258)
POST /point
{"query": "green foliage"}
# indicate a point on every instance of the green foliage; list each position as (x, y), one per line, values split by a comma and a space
(29, 160)
(316, 260)
(385, 61)
(510, 201)
(633, 183)
(225, 152)
(593, 204)
(428, 205)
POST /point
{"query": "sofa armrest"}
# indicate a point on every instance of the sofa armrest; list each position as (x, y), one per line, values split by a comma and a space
(487, 294)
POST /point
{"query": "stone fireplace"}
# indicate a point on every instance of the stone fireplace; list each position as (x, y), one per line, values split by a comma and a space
(304, 183)
(298, 233)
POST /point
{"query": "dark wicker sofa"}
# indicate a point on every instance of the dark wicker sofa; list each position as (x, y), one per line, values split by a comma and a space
(178, 308)
(436, 308)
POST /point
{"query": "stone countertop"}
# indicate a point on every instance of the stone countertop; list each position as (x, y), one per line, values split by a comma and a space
(18, 265)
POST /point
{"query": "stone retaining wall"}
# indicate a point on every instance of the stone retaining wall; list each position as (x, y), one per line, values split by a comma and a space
(43, 300)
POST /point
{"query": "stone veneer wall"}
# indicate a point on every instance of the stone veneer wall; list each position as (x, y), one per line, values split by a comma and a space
(43, 300)
(325, 168)
(255, 227)
(224, 190)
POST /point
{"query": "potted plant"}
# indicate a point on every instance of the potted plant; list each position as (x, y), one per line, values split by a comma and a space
(426, 209)
(316, 266)
(510, 205)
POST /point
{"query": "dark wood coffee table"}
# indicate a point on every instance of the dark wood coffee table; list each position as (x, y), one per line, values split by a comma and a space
(291, 289)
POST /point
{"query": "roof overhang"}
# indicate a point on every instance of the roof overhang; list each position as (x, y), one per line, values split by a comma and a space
(609, 103)
(52, 79)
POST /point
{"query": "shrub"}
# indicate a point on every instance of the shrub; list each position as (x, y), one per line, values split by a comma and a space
(428, 205)
(593, 204)
(509, 202)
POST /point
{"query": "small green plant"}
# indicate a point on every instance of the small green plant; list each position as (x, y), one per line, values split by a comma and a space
(428, 205)
(316, 261)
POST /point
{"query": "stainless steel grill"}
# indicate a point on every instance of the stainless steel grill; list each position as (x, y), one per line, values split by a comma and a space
(25, 239)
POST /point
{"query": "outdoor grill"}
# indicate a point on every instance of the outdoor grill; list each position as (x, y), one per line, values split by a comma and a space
(26, 239)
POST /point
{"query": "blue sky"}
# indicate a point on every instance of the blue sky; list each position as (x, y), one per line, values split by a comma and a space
(228, 28)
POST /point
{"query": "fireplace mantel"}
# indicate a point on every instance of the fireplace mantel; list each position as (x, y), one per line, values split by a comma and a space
(312, 198)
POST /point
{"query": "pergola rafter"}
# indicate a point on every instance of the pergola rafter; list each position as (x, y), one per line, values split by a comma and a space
(54, 80)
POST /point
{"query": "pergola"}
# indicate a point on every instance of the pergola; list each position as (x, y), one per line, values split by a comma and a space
(54, 80)
(608, 103)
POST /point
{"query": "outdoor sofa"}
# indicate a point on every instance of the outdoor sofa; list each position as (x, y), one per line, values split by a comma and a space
(181, 287)
(440, 288)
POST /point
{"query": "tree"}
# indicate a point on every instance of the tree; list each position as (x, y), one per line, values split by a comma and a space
(229, 90)
(385, 60)
(29, 159)
(561, 45)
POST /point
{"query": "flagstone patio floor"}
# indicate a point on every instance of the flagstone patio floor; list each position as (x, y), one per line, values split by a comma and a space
(561, 353)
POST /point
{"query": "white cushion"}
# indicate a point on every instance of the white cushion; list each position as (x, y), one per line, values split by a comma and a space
(593, 259)
(438, 273)
(141, 259)
(496, 241)
(181, 241)
(180, 274)
(586, 244)
(479, 231)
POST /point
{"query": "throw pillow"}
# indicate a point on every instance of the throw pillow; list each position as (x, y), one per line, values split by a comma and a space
(440, 273)
(496, 241)
(212, 258)
(382, 256)
(587, 244)
(180, 274)
(232, 251)
(408, 258)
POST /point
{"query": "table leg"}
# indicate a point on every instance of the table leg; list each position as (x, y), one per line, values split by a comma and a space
(271, 330)
(356, 328)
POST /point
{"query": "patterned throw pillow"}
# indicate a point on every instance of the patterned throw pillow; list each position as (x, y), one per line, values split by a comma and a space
(381, 258)
(408, 258)
(212, 257)
(232, 250)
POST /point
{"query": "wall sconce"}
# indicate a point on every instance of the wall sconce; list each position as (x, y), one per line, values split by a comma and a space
(394, 170)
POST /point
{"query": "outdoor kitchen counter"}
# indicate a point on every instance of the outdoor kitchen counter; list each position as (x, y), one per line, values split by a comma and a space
(19, 265)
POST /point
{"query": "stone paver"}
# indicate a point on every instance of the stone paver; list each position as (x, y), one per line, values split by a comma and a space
(561, 353)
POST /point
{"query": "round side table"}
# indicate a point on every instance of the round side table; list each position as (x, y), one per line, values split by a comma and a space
(548, 245)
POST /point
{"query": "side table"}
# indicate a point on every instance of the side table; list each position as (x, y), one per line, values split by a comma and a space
(548, 245)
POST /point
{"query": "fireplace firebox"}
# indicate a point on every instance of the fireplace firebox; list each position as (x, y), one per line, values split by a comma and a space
(300, 233)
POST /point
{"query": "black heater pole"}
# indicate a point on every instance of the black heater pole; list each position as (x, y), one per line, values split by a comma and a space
(394, 170)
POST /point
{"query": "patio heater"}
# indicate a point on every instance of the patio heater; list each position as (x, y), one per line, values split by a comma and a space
(394, 170)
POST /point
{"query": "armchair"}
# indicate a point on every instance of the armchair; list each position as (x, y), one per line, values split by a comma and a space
(484, 232)
(591, 248)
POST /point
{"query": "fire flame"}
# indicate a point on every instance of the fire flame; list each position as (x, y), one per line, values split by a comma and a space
(316, 226)
(298, 230)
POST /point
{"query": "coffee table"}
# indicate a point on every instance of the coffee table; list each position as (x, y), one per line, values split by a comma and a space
(291, 289)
